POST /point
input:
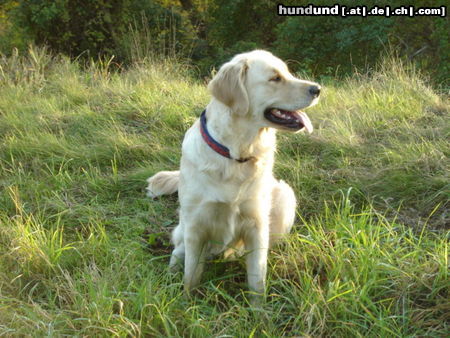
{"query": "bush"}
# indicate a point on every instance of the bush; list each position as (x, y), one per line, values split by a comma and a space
(100, 27)
(212, 31)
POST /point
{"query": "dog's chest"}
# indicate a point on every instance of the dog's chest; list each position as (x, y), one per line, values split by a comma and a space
(232, 188)
(226, 226)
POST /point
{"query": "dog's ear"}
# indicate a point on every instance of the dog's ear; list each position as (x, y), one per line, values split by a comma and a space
(228, 86)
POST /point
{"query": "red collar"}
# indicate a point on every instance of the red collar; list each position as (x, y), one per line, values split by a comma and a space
(214, 145)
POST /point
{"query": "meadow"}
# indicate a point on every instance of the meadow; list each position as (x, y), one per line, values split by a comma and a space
(83, 251)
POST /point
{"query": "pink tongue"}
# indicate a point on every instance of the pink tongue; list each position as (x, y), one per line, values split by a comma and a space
(305, 121)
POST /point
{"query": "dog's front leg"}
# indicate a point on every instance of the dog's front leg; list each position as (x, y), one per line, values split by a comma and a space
(257, 244)
(194, 261)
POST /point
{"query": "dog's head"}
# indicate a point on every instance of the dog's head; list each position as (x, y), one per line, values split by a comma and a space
(258, 85)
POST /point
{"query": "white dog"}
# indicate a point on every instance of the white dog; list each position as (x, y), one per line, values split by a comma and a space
(228, 195)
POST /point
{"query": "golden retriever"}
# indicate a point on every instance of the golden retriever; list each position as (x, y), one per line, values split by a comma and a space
(228, 195)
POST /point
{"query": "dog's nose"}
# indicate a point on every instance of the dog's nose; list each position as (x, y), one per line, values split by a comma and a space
(314, 91)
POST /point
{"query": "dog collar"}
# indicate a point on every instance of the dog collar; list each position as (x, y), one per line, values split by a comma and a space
(213, 144)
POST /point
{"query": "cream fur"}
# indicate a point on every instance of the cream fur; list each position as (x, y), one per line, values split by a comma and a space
(224, 203)
(163, 183)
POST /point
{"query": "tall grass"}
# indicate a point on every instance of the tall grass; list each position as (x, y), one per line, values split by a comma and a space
(83, 252)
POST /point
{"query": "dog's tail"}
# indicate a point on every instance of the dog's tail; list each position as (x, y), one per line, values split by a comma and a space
(163, 183)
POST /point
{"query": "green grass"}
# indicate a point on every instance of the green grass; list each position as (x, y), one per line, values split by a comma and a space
(80, 245)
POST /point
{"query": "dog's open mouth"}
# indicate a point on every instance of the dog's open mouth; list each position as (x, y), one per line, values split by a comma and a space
(293, 120)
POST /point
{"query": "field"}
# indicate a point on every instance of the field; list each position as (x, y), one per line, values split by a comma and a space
(84, 252)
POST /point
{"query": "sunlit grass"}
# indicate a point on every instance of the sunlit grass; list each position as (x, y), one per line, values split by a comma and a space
(80, 252)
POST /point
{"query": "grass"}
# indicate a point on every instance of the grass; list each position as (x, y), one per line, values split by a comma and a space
(81, 250)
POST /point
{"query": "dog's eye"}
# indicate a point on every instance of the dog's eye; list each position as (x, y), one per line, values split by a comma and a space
(276, 78)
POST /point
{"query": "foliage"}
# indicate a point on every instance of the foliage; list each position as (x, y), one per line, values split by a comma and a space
(97, 27)
(212, 31)
(322, 46)
(329, 45)
(12, 36)
(74, 27)
(368, 255)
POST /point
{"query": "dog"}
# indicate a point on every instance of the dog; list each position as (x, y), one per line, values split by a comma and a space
(229, 198)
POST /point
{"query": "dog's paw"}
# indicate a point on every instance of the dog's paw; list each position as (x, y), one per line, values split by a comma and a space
(150, 193)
